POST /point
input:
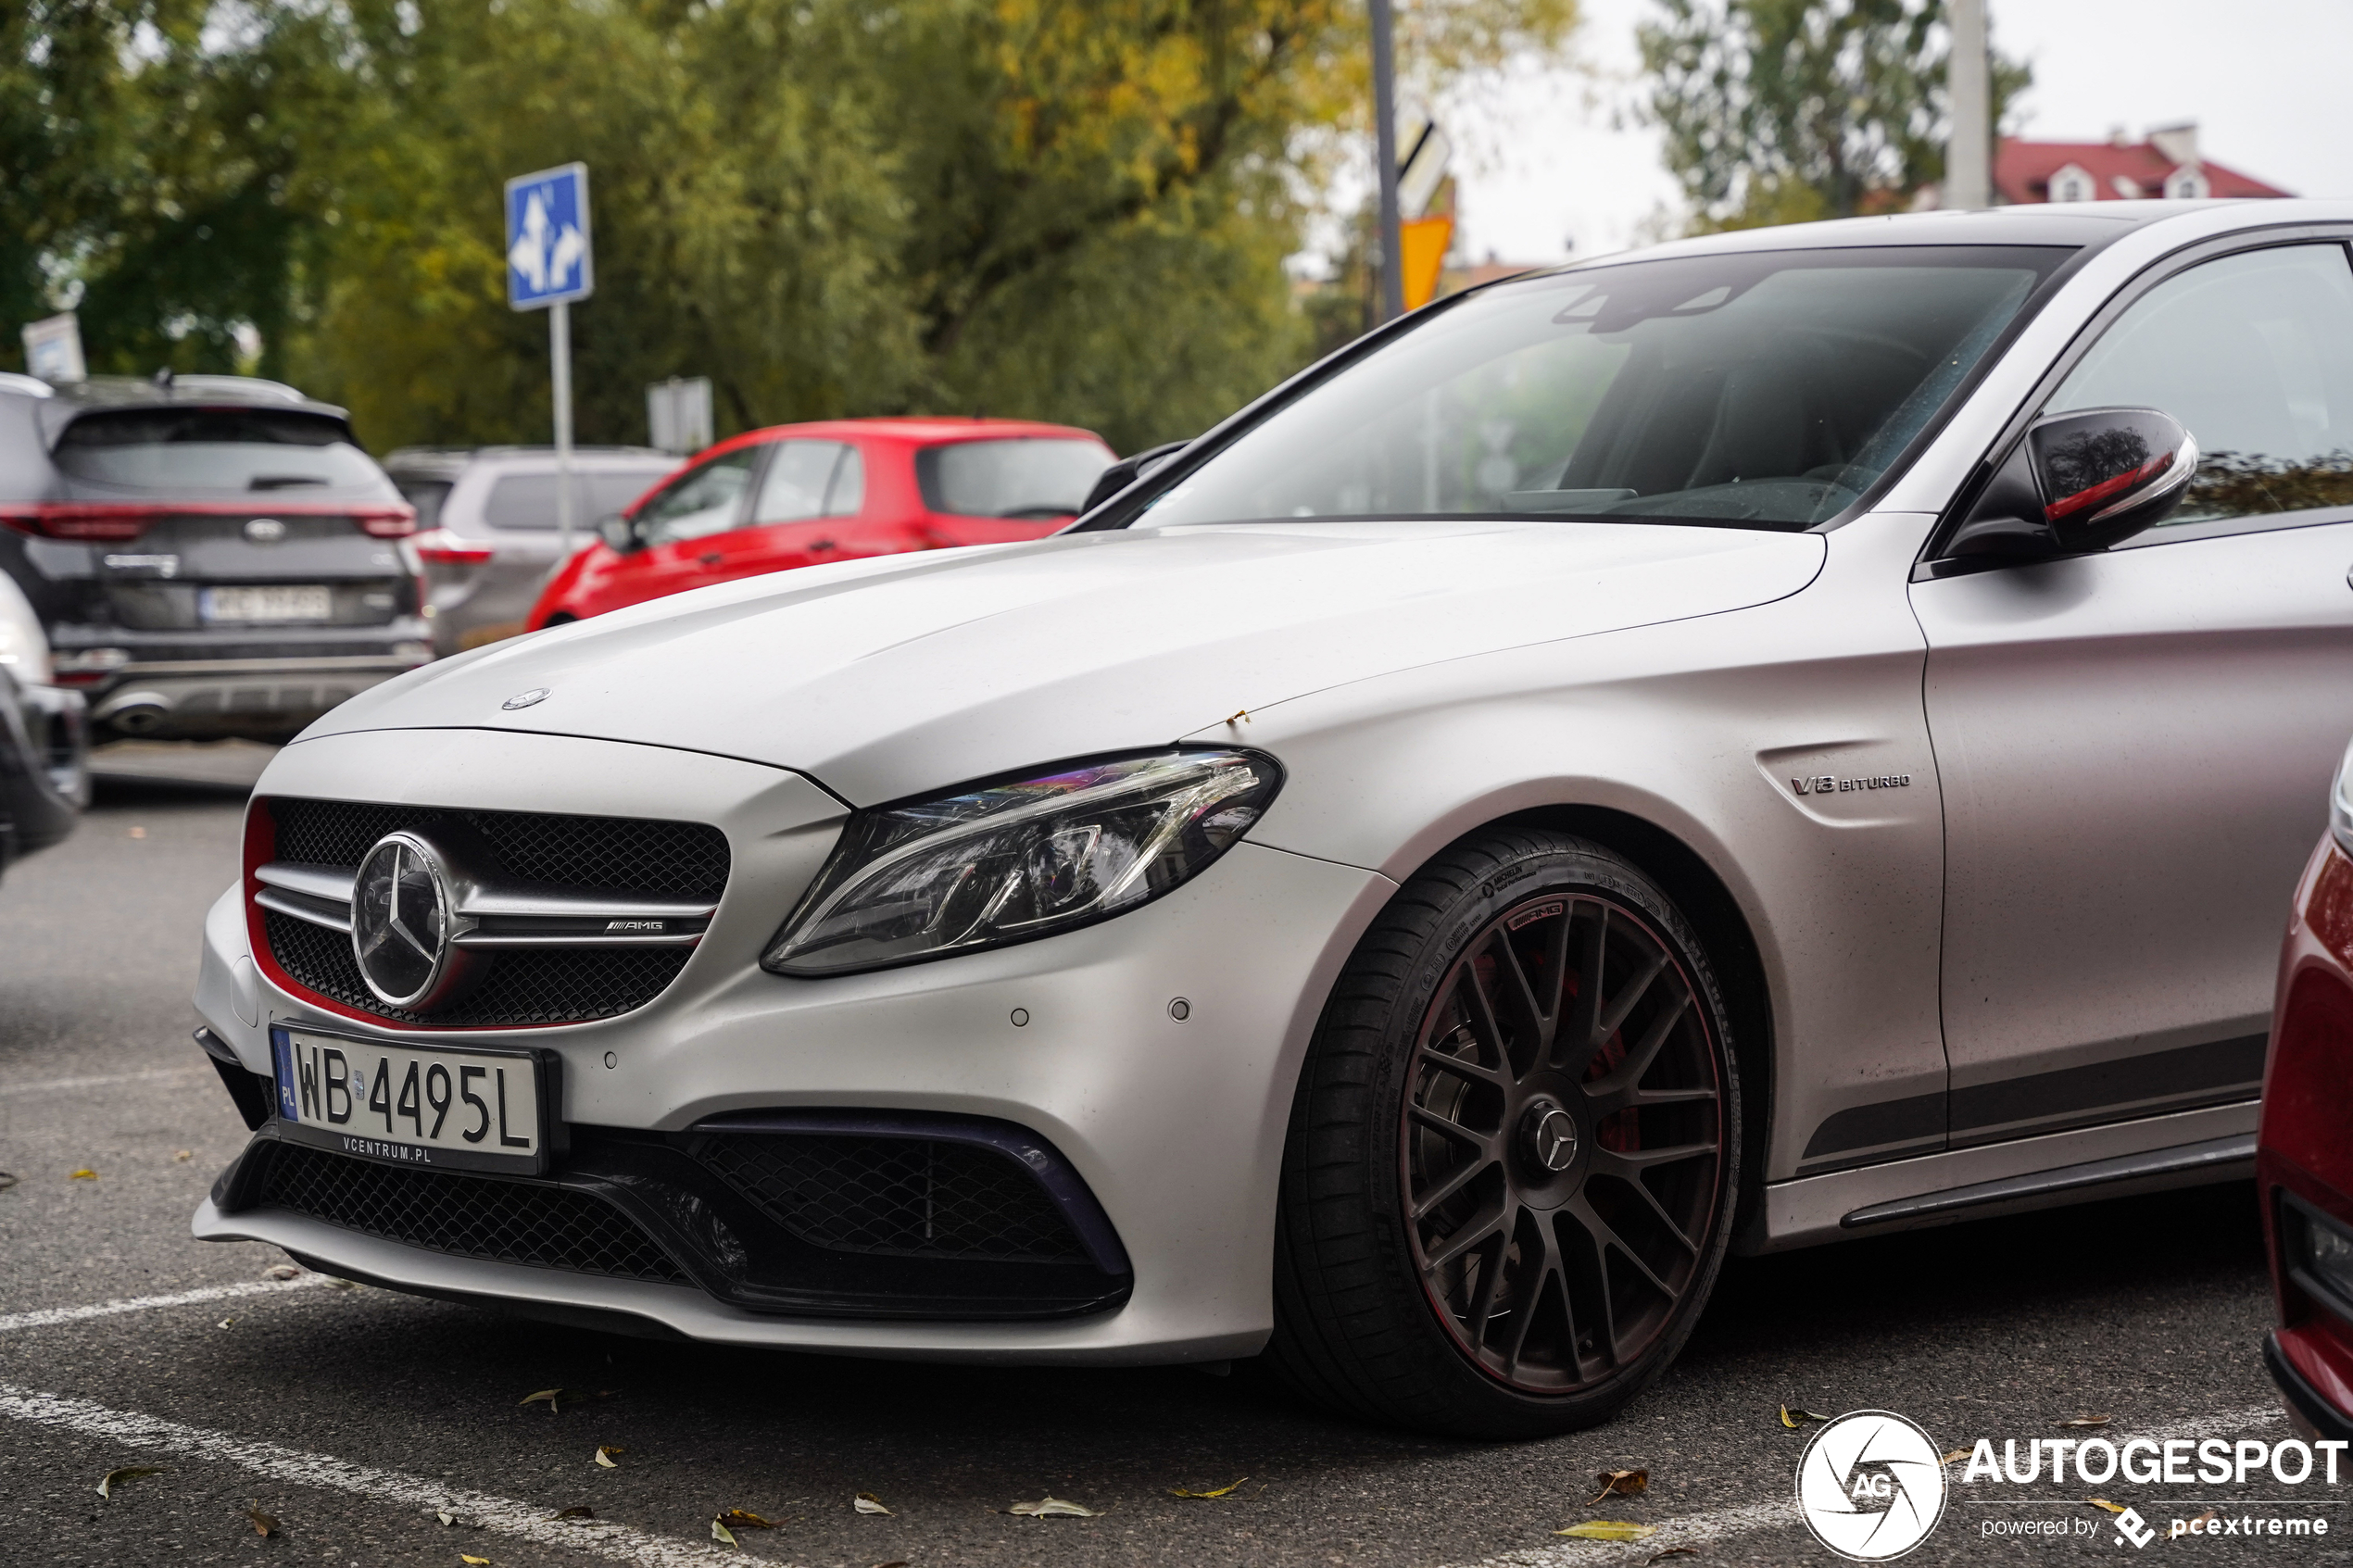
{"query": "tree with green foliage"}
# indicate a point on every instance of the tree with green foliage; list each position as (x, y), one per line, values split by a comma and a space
(1784, 111)
(1065, 211)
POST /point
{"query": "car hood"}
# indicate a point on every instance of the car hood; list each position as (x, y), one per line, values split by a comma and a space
(886, 677)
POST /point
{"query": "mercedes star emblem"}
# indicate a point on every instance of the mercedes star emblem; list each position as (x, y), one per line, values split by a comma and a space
(400, 921)
(1552, 1136)
(524, 699)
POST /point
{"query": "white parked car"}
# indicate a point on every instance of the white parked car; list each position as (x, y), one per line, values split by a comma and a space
(1789, 735)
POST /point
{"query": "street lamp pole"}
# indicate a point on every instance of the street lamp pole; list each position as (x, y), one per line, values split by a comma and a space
(1969, 175)
(1392, 272)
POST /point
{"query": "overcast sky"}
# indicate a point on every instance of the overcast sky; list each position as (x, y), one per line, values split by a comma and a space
(1545, 162)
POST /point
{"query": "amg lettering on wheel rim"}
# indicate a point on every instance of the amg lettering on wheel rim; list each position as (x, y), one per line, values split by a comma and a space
(1561, 1146)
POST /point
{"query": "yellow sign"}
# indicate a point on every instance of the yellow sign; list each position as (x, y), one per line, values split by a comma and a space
(1422, 248)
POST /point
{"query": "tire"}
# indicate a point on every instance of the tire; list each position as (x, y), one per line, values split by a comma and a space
(1574, 1168)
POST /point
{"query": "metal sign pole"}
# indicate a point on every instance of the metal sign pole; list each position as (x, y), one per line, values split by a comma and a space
(1969, 155)
(1392, 272)
(560, 353)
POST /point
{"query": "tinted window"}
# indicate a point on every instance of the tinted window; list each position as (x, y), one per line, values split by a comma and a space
(215, 449)
(1033, 478)
(528, 500)
(426, 496)
(1759, 390)
(811, 479)
(708, 499)
(2254, 354)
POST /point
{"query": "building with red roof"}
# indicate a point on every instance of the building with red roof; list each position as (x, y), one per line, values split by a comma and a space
(2166, 164)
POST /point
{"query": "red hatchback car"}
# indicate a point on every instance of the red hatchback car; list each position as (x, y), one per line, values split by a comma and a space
(2304, 1157)
(791, 496)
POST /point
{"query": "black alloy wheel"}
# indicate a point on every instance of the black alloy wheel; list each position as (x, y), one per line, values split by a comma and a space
(1515, 1151)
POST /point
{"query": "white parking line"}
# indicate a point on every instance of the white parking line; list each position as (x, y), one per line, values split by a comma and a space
(149, 1436)
(45, 1085)
(47, 1317)
(1702, 1529)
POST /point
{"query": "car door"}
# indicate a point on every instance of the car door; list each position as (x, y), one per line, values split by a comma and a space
(2135, 745)
(680, 526)
(807, 492)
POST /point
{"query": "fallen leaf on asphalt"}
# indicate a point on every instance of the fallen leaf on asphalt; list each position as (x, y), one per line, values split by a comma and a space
(1621, 1483)
(577, 1511)
(447, 1518)
(348, 1285)
(138, 832)
(1608, 1530)
(719, 1532)
(866, 1502)
(282, 1272)
(263, 1525)
(2103, 1502)
(894, 1563)
(1794, 1418)
(1956, 1453)
(550, 1395)
(84, 1174)
(114, 1478)
(2084, 1421)
(7, 1179)
(1052, 1508)
(184, 1155)
(604, 1455)
(477, 1562)
(227, 1321)
(1225, 1490)
(1670, 1551)
(744, 1519)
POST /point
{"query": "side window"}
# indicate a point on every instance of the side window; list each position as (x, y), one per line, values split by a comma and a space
(702, 500)
(810, 479)
(2254, 354)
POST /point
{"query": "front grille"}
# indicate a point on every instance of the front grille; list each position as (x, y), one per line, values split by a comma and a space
(525, 987)
(917, 1197)
(687, 862)
(545, 1227)
(662, 859)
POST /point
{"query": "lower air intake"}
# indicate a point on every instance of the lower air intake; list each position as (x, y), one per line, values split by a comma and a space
(545, 1227)
(914, 1198)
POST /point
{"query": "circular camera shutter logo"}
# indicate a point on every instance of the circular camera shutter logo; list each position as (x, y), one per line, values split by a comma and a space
(1870, 1487)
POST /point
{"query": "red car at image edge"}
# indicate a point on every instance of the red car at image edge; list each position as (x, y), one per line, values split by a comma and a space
(2304, 1158)
(799, 495)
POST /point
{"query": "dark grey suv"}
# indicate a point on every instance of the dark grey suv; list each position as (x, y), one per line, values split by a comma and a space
(211, 555)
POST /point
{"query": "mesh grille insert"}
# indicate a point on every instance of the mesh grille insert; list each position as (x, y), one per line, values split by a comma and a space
(662, 859)
(531, 985)
(687, 861)
(469, 1216)
(909, 1197)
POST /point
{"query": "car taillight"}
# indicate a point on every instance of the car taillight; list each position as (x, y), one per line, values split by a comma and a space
(85, 521)
(396, 521)
(449, 549)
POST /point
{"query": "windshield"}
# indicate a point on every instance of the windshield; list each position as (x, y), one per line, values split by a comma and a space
(1031, 477)
(243, 449)
(1760, 390)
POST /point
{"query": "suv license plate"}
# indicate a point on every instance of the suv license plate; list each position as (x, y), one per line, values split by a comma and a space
(307, 602)
(404, 1105)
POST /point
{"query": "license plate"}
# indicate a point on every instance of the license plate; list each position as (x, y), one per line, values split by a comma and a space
(408, 1105)
(278, 602)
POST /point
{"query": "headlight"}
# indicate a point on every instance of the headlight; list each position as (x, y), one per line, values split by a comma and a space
(2341, 803)
(1006, 863)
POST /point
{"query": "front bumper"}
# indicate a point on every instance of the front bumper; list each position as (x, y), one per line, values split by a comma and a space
(1175, 1127)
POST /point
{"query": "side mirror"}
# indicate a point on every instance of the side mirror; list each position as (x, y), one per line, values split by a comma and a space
(2080, 481)
(1127, 471)
(620, 535)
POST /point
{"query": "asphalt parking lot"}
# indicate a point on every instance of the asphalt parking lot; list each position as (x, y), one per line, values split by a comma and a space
(353, 1418)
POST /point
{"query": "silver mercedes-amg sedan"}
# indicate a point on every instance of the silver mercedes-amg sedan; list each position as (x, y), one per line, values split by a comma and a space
(1784, 736)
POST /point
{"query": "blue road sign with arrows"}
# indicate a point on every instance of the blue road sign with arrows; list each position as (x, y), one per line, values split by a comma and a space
(548, 257)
